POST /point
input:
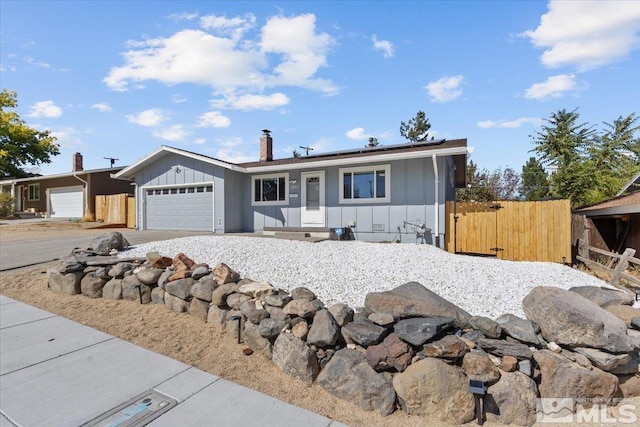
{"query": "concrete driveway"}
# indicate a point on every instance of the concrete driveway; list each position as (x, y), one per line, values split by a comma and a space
(24, 248)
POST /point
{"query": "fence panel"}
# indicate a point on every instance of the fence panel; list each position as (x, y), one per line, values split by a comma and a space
(117, 209)
(518, 231)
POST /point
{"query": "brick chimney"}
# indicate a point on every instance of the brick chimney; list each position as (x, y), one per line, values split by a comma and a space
(77, 162)
(266, 146)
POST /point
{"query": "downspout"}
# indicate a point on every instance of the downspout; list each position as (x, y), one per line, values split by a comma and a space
(138, 201)
(436, 206)
(86, 192)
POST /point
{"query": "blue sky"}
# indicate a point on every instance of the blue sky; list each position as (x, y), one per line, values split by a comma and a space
(118, 79)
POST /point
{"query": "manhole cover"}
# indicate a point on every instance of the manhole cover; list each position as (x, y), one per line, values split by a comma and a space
(139, 411)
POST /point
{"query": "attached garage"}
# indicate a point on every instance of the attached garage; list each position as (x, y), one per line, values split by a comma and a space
(66, 202)
(186, 207)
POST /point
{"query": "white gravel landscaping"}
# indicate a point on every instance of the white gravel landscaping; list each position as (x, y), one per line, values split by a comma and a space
(345, 271)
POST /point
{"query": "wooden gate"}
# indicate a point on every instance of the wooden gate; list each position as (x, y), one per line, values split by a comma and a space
(517, 231)
(116, 209)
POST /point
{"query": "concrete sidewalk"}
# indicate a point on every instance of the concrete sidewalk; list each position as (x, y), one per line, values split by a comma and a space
(56, 372)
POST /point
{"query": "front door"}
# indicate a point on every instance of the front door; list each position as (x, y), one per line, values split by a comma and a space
(312, 204)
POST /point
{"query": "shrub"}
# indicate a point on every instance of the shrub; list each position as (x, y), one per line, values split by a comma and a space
(6, 205)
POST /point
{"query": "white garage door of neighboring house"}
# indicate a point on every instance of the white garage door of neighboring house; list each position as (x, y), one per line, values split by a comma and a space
(180, 208)
(66, 202)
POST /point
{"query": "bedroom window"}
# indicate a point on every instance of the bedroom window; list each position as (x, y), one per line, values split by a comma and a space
(34, 192)
(270, 190)
(365, 184)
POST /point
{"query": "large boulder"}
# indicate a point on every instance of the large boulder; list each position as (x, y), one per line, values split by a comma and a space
(363, 332)
(225, 274)
(414, 300)
(294, 357)
(623, 312)
(518, 328)
(604, 296)
(180, 288)
(448, 347)
(112, 289)
(300, 308)
(489, 328)
(505, 348)
(512, 400)
(432, 388)
(64, 283)
(324, 330)
(391, 353)
(134, 290)
(603, 360)
(105, 243)
(148, 275)
(569, 319)
(349, 377)
(203, 288)
(199, 308)
(419, 330)
(562, 378)
(254, 339)
(91, 285)
(477, 365)
(342, 313)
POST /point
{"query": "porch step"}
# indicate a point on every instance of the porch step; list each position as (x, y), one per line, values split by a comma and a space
(297, 233)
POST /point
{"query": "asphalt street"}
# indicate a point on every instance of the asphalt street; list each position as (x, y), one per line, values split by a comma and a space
(22, 253)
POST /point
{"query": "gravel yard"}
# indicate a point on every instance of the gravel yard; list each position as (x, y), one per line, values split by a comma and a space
(338, 271)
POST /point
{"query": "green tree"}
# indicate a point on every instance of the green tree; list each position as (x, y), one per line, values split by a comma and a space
(589, 166)
(373, 142)
(296, 154)
(477, 189)
(21, 145)
(416, 129)
(535, 183)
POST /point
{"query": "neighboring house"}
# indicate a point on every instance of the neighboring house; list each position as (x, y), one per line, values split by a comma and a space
(374, 191)
(615, 223)
(65, 195)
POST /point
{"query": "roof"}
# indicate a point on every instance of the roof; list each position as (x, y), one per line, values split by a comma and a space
(633, 185)
(625, 204)
(59, 175)
(457, 148)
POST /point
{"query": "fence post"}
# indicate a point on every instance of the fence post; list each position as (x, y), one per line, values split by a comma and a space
(621, 267)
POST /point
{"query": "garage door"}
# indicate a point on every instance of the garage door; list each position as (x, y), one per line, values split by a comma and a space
(180, 208)
(66, 202)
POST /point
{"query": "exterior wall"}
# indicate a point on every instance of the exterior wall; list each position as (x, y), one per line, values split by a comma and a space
(173, 169)
(412, 200)
(633, 238)
(234, 191)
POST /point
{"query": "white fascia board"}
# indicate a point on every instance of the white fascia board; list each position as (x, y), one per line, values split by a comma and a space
(364, 159)
(615, 210)
(130, 171)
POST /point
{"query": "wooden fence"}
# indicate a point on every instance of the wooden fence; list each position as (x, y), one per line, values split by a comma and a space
(517, 231)
(116, 209)
(614, 264)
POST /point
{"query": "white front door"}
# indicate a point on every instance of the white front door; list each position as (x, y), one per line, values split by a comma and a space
(312, 203)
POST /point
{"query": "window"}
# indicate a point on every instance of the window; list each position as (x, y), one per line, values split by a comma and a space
(270, 190)
(365, 184)
(34, 192)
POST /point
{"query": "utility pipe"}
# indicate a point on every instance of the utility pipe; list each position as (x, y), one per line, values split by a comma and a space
(86, 192)
(437, 201)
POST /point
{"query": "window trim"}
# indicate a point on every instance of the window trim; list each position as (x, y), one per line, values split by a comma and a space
(370, 168)
(284, 175)
(34, 186)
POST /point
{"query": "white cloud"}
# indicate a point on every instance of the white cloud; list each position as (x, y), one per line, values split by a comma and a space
(184, 16)
(230, 151)
(509, 124)
(148, 118)
(199, 141)
(32, 61)
(357, 134)
(553, 87)
(587, 34)
(178, 98)
(445, 89)
(287, 52)
(235, 27)
(172, 133)
(45, 109)
(384, 45)
(67, 138)
(303, 51)
(103, 107)
(252, 102)
(213, 119)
